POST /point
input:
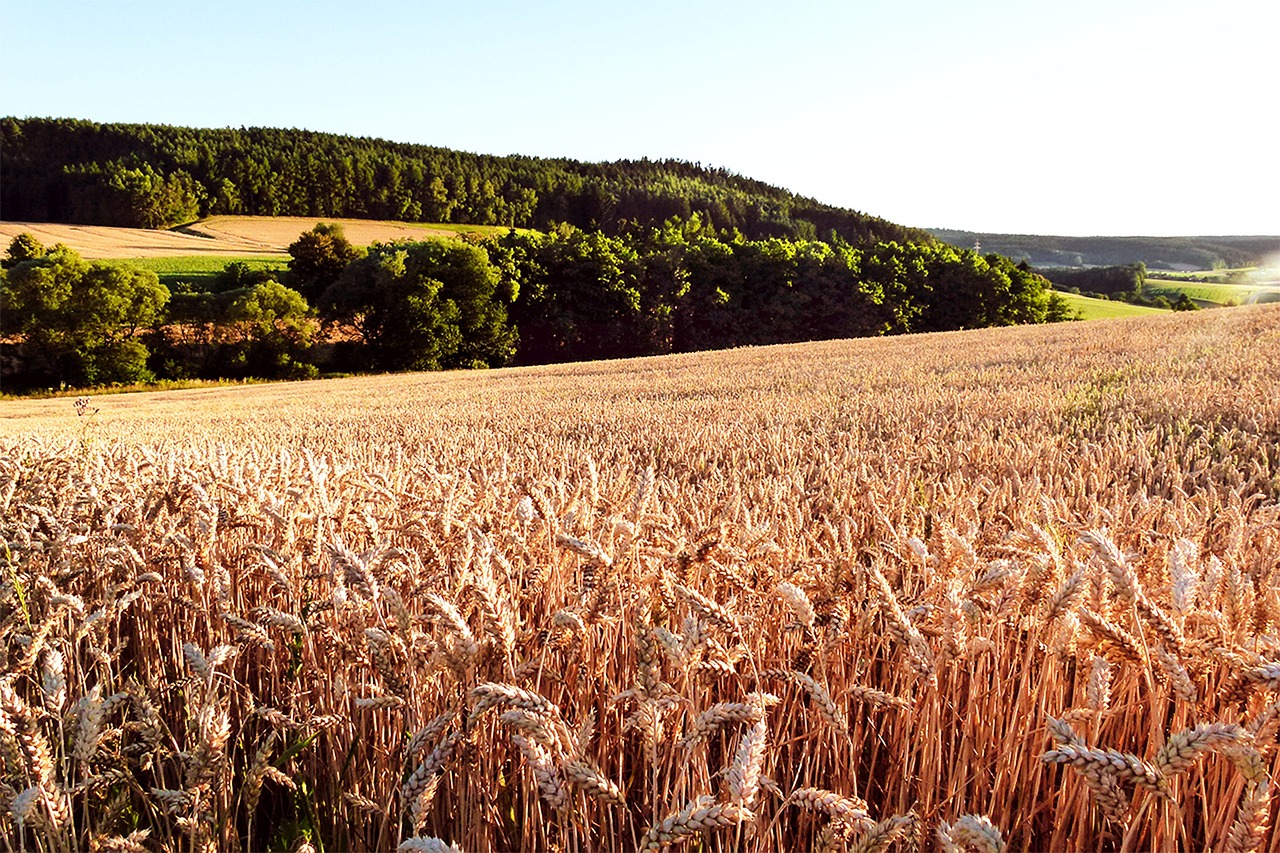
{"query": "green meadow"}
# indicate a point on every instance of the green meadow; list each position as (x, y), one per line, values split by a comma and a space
(1105, 309)
(201, 270)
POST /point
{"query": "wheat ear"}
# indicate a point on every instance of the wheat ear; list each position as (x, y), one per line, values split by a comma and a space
(700, 815)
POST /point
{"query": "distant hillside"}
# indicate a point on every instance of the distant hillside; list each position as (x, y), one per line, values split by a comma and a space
(1158, 253)
(144, 175)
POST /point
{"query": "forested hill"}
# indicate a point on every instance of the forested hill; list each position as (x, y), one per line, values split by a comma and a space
(146, 175)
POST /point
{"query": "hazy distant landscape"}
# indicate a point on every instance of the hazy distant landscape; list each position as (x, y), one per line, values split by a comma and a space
(1171, 253)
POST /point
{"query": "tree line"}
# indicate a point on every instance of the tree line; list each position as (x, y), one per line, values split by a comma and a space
(1102, 282)
(514, 298)
(144, 175)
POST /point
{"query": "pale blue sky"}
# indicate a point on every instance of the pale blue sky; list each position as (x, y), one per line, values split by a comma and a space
(1083, 117)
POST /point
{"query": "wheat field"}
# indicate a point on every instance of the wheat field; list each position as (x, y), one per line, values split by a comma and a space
(1006, 589)
(221, 236)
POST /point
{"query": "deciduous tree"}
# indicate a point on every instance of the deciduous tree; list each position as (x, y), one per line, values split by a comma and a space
(318, 257)
(79, 321)
(425, 306)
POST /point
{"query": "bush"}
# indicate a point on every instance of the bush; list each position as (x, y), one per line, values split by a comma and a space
(24, 247)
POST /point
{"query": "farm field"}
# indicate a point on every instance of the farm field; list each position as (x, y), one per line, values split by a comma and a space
(1105, 309)
(1208, 293)
(226, 236)
(1007, 587)
(1217, 276)
(101, 242)
(277, 232)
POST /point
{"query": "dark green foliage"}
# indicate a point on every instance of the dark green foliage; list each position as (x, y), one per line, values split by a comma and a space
(131, 193)
(238, 274)
(1185, 303)
(274, 327)
(212, 274)
(1059, 310)
(481, 302)
(425, 306)
(676, 289)
(583, 301)
(1120, 278)
(318, 257)
(966, 290)
(64, 170)
(263, 330)
(72, 323)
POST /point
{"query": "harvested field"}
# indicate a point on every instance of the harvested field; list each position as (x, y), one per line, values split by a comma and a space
(232, 236)
(100, 242)
(1008, 587)
(277, 232)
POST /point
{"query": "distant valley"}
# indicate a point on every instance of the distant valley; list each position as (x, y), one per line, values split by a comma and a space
(1180, 254)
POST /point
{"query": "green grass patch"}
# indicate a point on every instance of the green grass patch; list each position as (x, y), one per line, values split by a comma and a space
(1105, 309)
(1218, 294)
(201, 270)
(205, 263)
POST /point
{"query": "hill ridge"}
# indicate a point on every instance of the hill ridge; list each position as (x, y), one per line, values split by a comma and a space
(79, 171)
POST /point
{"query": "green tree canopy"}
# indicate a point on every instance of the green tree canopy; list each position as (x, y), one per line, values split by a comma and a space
(1120, 278)
(133, 193)
(276, 327)
(425, 306)
(318, 257)
(584, 302)
(78, 321)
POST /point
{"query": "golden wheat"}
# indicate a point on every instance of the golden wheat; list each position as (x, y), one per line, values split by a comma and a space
(539, 609)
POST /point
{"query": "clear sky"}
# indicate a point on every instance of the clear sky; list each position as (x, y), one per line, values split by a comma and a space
(1152, 117)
